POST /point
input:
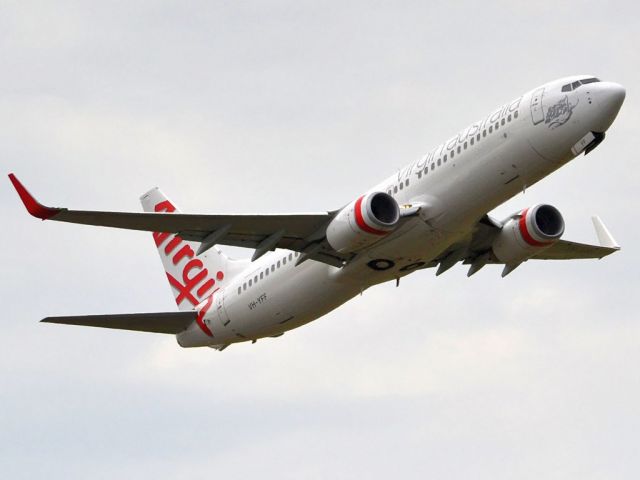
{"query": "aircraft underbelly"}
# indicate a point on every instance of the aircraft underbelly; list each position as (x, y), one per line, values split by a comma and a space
(287, 301)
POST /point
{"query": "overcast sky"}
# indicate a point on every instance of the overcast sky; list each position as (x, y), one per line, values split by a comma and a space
(299, 106)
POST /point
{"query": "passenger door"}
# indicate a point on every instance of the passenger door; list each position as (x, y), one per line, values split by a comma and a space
(537, 113)
(221, 311)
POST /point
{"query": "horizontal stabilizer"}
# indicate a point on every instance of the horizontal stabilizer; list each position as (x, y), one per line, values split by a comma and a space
(163, 322)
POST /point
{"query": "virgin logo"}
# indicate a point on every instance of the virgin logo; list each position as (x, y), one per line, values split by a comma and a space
(195, 283)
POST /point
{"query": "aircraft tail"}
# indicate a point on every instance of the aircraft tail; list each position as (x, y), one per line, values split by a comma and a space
(193, 278)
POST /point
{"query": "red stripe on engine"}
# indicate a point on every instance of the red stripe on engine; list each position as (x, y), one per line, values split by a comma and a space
(360, 220)
(524, 231)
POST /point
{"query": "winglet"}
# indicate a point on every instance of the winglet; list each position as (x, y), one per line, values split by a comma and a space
(604, 236)
(34, 207)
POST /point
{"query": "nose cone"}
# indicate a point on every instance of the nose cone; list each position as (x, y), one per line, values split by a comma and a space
(609, 98)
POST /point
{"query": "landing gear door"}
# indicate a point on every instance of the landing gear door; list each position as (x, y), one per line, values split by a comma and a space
(537, 114)
(221, 312)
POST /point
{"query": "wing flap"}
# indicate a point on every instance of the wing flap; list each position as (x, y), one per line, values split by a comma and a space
(163, 322)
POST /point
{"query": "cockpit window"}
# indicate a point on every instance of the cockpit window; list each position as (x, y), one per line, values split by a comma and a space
(572, 86)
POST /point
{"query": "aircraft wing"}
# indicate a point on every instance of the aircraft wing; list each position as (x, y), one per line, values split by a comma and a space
(164, 322)
(476, 249)
(302, 232)
(566, 250)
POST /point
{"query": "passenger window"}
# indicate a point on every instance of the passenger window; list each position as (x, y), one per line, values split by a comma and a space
(478, 137)
(515, 114)
(266, 272)
(509, 118)
(472, 140)
(459, 149)
(502, 122)
(452, 153)
(401, 186)
(496, 126)
(278, 263)
(239, 290)
(255, 280)
(439, 162)
(433, 165)
(406, 182)
(490, 128)
(395, 189)
(250, 282)
(445, 158)
(484, 133)
(284, 261)
(291, 257)
(261, 275)
(273, 268)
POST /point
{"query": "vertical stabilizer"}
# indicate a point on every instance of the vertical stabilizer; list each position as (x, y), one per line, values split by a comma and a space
(193, 278)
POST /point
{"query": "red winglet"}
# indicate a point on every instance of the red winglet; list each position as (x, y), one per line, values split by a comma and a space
(33, 206)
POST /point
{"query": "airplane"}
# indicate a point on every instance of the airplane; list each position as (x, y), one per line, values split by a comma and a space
(431, 214)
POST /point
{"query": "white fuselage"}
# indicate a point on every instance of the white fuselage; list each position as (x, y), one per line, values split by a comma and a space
(454, 185)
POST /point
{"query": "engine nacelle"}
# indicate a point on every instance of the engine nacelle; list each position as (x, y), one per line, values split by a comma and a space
(527, 233)
(363, 222)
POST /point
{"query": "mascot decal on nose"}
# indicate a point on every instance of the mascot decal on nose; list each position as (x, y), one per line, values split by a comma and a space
(560, 113)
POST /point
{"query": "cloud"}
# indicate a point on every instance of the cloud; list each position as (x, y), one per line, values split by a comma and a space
(299, 106)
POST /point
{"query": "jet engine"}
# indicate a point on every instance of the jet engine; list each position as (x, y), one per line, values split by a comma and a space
(363, 222)
(527, 233)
